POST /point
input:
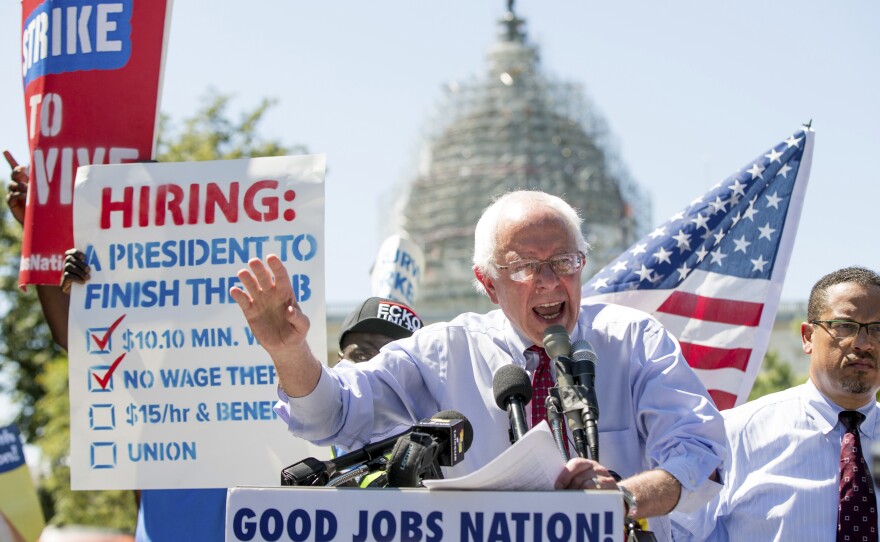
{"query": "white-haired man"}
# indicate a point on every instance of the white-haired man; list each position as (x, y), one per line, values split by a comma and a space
(658, 428)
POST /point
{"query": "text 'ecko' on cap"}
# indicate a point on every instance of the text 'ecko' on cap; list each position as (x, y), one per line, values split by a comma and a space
(382, 316)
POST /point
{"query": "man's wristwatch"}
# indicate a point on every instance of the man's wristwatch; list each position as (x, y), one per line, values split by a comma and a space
(629, 500)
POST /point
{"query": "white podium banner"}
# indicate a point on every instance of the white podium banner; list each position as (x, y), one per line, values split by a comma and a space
(383, 515)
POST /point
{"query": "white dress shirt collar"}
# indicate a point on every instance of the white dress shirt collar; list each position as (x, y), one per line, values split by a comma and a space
(825, 411)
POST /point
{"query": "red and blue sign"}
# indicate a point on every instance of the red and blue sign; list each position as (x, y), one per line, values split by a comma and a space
(91, 71)
(70, 36)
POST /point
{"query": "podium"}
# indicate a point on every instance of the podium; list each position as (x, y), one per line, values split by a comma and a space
(421, 515)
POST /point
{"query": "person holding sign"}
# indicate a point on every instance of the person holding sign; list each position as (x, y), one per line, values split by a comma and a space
(52, 300)
(659, 429)
(163, 514)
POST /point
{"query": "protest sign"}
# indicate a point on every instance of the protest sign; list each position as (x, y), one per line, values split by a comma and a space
(168, 387)
(21, 517)
(91, 70)
(398, 270)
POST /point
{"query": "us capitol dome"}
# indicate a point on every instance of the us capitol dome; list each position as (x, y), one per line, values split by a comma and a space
(513, 127)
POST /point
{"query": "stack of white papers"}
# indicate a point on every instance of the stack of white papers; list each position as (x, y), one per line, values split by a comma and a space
(532, 464)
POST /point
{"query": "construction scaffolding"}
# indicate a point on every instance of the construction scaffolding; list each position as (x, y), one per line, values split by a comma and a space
(512, 128)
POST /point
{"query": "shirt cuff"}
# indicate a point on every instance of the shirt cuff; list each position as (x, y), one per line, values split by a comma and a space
(695, 499)
(296, 411)
(692, 472)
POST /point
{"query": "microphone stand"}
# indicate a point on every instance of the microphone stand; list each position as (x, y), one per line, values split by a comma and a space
(348, 477)
(572, 396)
(585, 378)
(313, 472)
(635, 533)
(573, 400)
(554, 418)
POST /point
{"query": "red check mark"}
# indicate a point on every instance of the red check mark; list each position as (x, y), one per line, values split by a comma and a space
(106, 379)
(102, 342)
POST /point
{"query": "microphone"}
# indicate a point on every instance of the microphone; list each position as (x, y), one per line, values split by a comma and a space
(314, 472)
(513, 391)
(584, 359)
(557, 344)
(440, 441)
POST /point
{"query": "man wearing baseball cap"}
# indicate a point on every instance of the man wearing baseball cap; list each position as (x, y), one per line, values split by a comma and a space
(370, 326)
(373, 324)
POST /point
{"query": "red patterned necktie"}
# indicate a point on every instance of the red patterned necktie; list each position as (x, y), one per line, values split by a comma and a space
(857, 512)
(542, 381)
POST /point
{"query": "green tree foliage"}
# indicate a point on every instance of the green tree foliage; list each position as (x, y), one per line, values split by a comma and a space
(35, 369)
(775, 376)
(112, 509)
(26, 344)
(211, 135)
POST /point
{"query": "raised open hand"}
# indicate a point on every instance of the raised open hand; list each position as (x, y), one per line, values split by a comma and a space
(270, 307)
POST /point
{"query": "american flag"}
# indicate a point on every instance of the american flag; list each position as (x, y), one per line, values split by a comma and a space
(713, 273)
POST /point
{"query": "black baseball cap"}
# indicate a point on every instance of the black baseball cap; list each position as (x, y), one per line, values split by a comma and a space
(384, 316)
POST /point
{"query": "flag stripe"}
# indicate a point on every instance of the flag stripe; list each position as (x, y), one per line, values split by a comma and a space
(711, 284)
(708, 333)
(726, 380)
(723, 400)
(706, 357)
(644, 300)
(725, 311)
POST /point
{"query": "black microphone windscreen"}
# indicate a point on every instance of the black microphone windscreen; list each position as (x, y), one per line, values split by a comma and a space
(511, 380)
(557, 342)
(306, 472)
(582, 350)
(468, 437)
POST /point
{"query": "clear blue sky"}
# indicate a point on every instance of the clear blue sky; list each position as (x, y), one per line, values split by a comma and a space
(691, 89)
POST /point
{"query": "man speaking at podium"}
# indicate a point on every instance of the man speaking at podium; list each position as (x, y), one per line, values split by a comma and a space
(658, 428)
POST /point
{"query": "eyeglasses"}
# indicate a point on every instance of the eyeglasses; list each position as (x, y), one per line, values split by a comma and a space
(562, 265)
(847, 329)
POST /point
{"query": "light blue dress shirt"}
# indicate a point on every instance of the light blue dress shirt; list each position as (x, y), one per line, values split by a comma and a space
(782, 481)
(654, 412)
